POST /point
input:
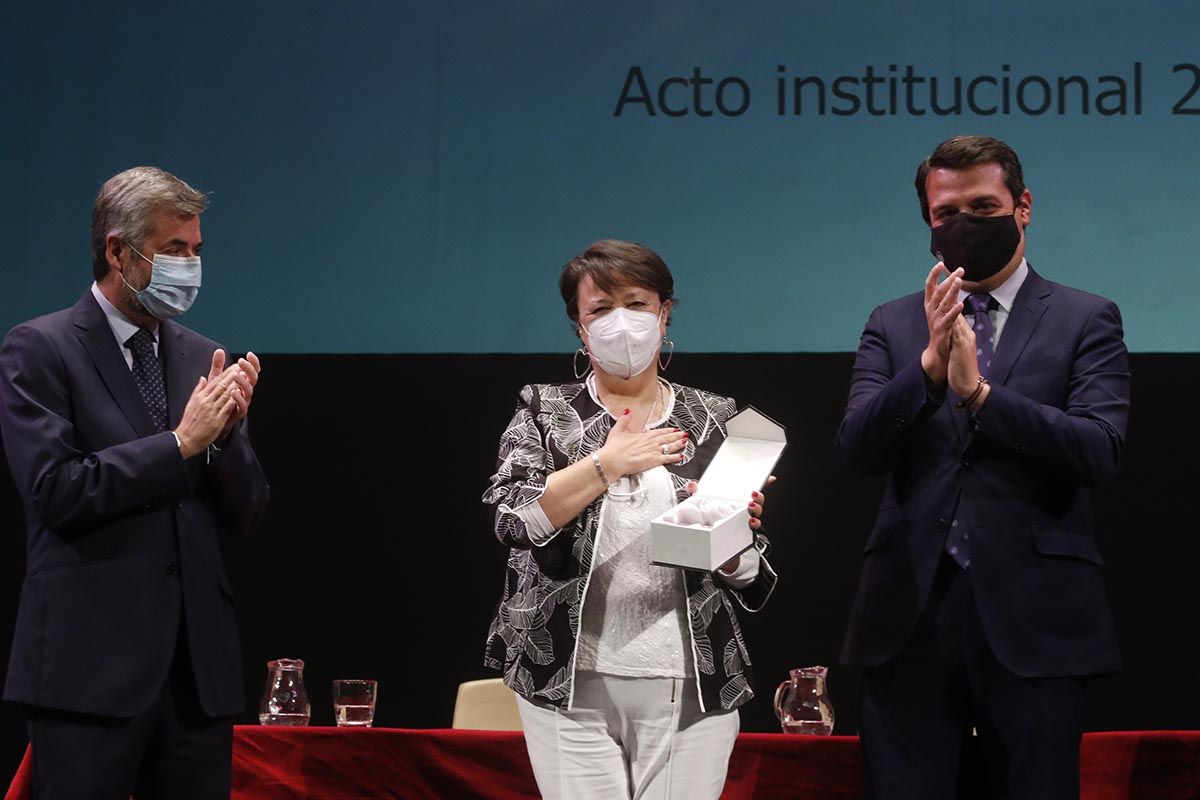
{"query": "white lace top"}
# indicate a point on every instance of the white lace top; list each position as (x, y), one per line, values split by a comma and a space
(634, 614)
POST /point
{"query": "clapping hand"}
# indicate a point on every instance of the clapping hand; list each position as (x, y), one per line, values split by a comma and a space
(245, 379)
(963, 367)
(942, 307)
(218, 402)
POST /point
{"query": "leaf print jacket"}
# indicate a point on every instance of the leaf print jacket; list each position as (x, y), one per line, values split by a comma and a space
(532, 637)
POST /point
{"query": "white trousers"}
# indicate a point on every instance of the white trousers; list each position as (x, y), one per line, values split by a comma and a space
(629, 739)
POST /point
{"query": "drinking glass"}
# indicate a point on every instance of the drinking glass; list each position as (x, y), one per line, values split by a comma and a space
(354, 703)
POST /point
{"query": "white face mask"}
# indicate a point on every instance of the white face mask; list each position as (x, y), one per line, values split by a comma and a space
(624, 342)
(174, 284)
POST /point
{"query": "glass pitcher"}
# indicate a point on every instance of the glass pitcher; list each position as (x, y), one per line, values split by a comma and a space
(802, 702)
(285, 701)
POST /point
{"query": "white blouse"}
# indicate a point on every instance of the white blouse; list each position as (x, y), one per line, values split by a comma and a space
(634, 613)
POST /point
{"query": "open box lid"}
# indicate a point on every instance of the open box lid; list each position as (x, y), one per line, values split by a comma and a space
(746, 458)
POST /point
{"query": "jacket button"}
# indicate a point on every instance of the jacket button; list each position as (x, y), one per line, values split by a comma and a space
(966, 461)
(172, 569)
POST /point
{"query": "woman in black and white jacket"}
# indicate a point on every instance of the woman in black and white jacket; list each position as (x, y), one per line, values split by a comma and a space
(628, 674)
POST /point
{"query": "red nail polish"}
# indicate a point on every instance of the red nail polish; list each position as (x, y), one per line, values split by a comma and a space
(626, 411)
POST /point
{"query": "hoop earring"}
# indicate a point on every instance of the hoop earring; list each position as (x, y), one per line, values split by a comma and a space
(670, 354)
(587, 364)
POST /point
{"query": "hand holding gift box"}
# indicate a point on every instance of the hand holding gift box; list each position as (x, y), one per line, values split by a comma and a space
(712, 526)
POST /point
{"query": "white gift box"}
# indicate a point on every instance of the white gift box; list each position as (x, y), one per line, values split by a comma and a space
(713, 525)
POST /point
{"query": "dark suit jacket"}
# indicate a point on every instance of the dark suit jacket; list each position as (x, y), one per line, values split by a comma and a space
(1053, 426)
(121, 531)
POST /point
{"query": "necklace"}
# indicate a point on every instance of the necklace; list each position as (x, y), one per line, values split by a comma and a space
(654, 407)
(657, 402)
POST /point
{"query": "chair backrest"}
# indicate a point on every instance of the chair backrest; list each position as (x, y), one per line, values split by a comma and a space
(486, 705)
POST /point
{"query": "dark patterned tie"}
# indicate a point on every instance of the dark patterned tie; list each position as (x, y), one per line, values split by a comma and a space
(148, 375)
(979, 304)
(976, 308)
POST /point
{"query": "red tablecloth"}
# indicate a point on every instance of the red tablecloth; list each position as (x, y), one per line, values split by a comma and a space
(341, 764)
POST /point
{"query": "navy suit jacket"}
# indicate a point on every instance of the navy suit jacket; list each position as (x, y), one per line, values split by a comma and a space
(121, 531)
(1017, 475)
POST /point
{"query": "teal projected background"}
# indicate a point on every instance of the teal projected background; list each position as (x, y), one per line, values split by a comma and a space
(402, 177)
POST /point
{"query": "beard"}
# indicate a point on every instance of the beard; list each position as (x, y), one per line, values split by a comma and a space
(132, 277)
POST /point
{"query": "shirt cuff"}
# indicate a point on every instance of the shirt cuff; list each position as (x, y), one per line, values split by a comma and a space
(746, 572)
(537, 525)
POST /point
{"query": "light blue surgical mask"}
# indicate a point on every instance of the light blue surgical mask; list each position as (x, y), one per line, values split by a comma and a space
(174, 284)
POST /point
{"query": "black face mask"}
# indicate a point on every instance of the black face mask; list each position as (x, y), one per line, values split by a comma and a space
(982, 246)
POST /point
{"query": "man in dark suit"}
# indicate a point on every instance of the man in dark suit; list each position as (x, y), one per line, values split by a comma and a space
(124, 431)
(992, 401)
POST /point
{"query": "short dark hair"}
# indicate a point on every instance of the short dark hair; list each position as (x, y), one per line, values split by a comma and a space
(967, 151)
(614, 263)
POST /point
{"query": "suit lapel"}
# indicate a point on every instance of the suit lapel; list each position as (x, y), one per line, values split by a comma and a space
(1027, 312)
(98, 340)
(181, 374)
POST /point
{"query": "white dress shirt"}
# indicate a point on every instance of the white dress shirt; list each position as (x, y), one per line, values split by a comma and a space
(1005, 295)
(122, 327)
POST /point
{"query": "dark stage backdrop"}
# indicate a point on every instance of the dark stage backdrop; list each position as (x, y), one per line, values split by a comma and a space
(377, 561)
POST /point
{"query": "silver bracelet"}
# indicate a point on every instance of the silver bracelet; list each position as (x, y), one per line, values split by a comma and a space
(600, 470)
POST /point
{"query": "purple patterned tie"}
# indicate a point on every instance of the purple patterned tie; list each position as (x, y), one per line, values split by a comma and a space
(979, 304)
(976, 308)
(148, 375)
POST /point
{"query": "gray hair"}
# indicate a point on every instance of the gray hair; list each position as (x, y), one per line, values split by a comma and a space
(128, 202)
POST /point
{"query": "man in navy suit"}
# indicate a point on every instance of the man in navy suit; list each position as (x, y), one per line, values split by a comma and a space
(992, 402)
(126, 437)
